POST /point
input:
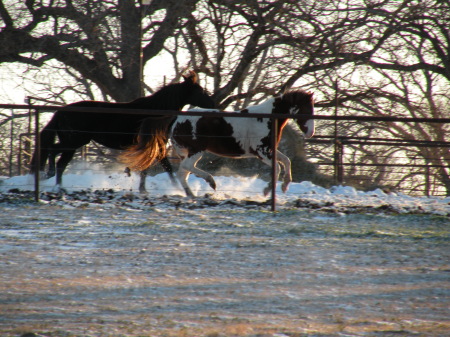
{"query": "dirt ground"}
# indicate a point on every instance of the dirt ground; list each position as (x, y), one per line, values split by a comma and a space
(221, 271)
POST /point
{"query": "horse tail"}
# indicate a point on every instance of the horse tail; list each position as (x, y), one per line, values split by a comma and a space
(151, 144)
(47, 139)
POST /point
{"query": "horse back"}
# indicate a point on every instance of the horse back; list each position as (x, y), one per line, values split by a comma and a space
(217, 135)
(115, 130)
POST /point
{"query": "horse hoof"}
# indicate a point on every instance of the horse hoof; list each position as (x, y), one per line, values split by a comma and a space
(57, 189)
(174, 182)
(267, 191)
(211, 183)
(284, 187)
(189, 192)
(42, 175)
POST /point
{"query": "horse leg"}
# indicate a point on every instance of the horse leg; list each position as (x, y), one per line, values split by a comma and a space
(165, 163)
(268, 162)
(43, 155)
(143, 176)
(188, 166)
(52, 153)
(287, 179)
(43, 159)
(63, 161)
(51, 165)
(166, 166)
(47, 137)
(183, 175)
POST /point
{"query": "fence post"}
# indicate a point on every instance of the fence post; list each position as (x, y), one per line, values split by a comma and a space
(19, 157)
(11, 144)
(37, 151)
(274, 162)
(338, 162)
(427, 181)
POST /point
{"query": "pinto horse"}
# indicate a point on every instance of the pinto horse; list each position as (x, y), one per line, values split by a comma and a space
(114, 130)
(224, 136)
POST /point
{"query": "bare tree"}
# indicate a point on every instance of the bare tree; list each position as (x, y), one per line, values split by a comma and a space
(372, 57)
(99, 40)
(90, 49)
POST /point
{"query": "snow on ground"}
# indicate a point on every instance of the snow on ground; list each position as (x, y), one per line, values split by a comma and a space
(238, 189)
(105, 260)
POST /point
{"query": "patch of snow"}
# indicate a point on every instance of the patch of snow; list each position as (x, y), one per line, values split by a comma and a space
(303, 194)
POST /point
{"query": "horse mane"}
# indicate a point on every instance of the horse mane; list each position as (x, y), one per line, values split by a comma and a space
(298, 96)
(165, 98)
(170, 95)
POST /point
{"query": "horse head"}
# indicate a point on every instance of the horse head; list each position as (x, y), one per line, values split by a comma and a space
(197, 95)
(299, 102)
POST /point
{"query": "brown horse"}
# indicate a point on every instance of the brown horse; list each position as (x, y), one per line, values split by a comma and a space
(114, 130)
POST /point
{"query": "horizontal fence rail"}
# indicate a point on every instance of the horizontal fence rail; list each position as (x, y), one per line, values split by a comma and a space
(212, 113)
(378, 141)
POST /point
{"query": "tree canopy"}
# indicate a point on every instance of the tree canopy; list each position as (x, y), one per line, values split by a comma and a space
(370, 57)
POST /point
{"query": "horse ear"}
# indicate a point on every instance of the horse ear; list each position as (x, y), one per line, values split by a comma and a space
(280, 93)
(191, 76)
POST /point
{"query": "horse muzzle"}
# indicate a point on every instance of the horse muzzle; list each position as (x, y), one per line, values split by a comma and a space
(307, 128)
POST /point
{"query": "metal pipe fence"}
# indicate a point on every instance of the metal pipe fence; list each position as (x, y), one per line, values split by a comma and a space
(338, 163)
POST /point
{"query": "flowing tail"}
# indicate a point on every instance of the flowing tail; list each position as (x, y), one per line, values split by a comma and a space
(47, 139)
(151, 144)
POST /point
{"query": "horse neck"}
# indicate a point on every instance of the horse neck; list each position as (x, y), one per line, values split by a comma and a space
(171, 97)
(264, 107)
(281, 123)
(267, 107)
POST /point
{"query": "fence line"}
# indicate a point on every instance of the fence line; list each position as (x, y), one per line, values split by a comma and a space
(337, 163)
(212, 113)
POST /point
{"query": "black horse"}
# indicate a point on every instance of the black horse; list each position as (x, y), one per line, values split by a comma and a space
(114, 130)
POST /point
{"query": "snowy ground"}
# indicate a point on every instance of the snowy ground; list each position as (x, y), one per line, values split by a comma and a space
(229, 189)
(103, 260)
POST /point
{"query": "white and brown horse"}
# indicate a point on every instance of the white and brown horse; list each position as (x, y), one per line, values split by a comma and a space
(224, 136)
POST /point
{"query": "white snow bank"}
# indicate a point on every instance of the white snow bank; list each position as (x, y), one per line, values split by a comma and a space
(238, 188)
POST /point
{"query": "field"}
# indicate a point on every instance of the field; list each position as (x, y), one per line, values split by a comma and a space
(104, 261)
(97, 264)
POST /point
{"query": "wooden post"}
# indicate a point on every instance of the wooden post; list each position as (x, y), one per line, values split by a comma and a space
(274, 163)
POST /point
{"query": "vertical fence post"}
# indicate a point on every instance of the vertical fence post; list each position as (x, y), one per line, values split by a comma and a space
(274, 162)
(427, 181)
(37, 151)
(11, 144)
(19, 157)
(338, 162)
